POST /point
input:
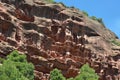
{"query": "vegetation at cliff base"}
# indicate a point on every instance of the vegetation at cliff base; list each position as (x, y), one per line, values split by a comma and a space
(56, 75)
(16, 67)
(86, 73)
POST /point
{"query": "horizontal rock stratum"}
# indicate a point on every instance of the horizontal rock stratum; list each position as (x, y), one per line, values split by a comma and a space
(53, 36)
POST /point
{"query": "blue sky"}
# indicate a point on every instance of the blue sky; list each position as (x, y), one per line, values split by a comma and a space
(108, 10)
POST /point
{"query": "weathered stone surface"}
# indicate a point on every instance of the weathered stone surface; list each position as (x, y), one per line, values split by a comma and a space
(53, 36)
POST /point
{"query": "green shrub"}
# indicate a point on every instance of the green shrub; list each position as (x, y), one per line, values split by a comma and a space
(50, 1)
(1, 60)
(97, 19)
(70, 79)
(72, 7)
(94, 18)
(62, 4)
(56, 75)
(115, 42)
(85, 13)
(87, 73)
(16, 67)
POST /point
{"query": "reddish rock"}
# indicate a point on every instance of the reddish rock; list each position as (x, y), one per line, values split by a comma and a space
(53, 36)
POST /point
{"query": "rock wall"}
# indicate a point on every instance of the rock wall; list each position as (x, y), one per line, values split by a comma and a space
(53, 36)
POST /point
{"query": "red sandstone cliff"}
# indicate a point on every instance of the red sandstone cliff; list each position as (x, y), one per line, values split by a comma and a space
(53, 36)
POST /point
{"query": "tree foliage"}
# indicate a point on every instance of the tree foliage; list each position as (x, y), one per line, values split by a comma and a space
(56, 75)
(16, 67)
(86, 73)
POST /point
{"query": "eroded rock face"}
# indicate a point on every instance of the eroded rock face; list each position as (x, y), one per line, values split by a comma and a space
(7, 28)
(53, 36)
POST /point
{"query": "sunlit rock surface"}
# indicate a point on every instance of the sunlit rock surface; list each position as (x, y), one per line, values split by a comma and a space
(53, 36)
